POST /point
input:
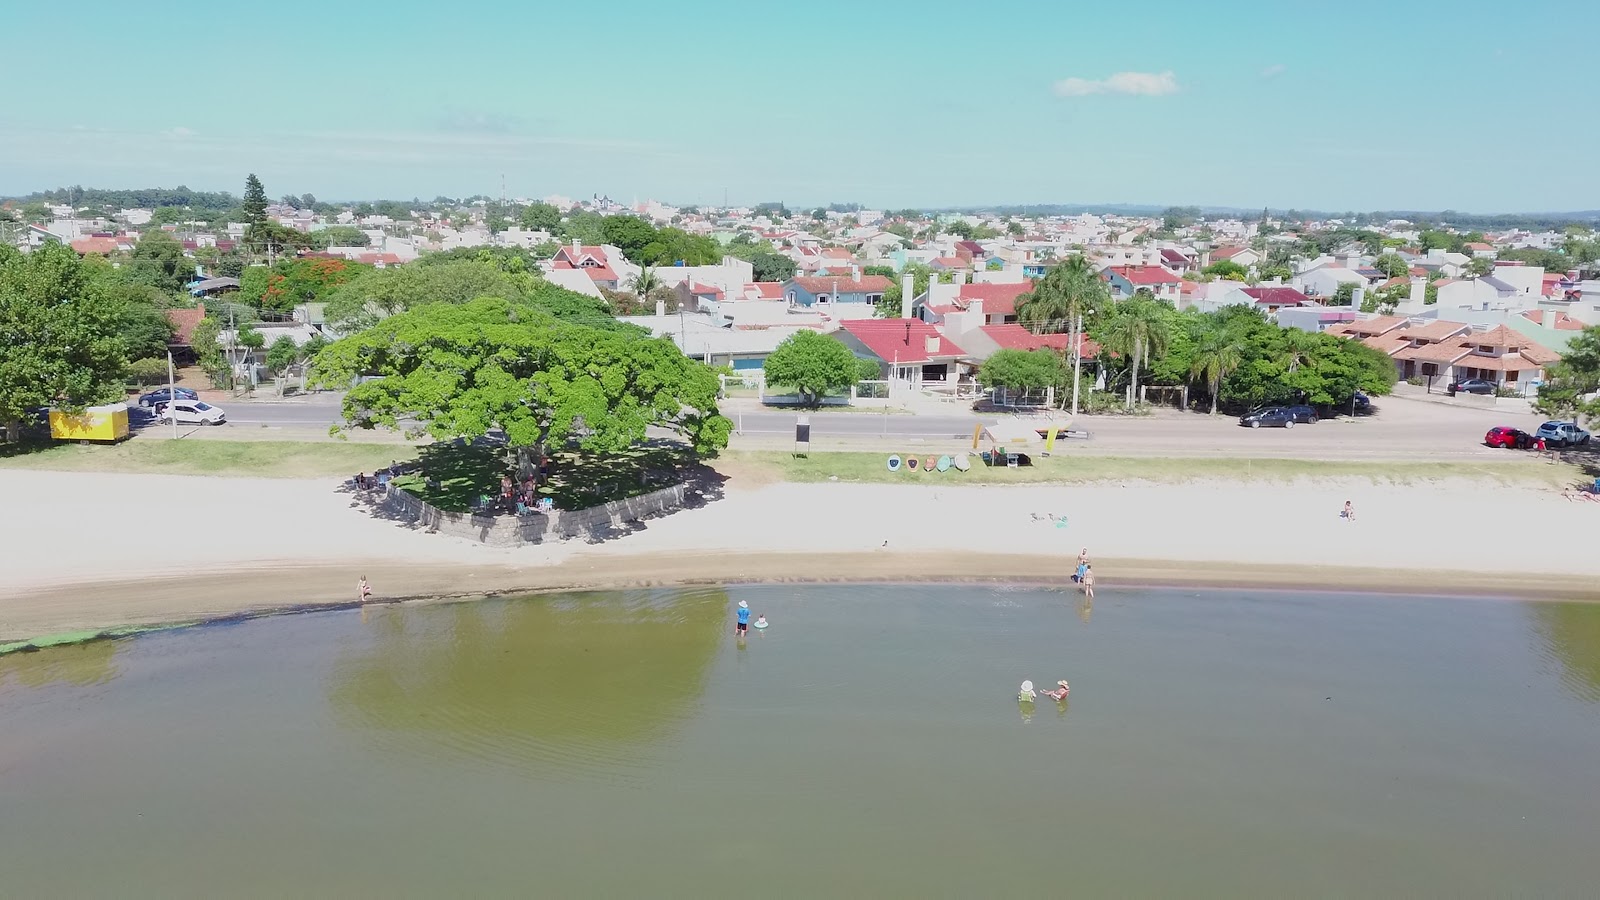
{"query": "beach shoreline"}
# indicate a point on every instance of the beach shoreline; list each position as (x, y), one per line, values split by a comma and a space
(85, 611)
(89, 552)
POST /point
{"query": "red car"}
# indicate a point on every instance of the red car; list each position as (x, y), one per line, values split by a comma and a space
(1509, 438)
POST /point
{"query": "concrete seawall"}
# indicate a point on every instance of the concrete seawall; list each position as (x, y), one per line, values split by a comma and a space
(532, 528)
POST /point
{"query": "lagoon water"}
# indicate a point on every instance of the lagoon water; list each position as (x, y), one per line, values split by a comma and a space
(868, 744)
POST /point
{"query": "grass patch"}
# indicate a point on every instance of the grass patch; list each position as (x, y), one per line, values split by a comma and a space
(268, 459)
(870, 468)
(454, 478)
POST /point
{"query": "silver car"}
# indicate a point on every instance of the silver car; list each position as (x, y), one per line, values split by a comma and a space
(1562, 434)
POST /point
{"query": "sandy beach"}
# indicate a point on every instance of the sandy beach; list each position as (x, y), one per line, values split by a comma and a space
(89, 551)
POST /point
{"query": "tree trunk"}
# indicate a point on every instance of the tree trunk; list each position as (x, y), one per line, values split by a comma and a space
(1216, 388)
(1133, 393)
(14, 430)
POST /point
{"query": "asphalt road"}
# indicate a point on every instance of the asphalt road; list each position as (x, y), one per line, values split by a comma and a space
(1400, 429)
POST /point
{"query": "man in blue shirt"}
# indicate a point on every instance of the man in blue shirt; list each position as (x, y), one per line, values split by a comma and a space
(744, 619)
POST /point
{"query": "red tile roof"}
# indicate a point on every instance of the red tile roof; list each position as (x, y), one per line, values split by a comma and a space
(1277, 296)
(566, 258)
(1014, 337)
(998, 299)
(817, 285)
(704, 290)
(1222, 253)
(183, 323)
(901, 340)
(104, 245)
(766, 290)
(1143, 276)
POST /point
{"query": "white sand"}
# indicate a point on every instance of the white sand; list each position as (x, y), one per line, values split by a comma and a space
(77, 527)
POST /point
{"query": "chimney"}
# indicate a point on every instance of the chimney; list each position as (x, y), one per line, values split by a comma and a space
(1355, 298)
(907, 284)
(855, 273)
(576, 246)
(930, 344)
(661, 307)
(1419, 294)
(961, 278)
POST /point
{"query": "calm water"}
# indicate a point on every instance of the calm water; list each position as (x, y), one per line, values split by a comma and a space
(868, 744)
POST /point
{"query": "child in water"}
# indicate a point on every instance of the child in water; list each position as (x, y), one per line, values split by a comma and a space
(1060, 693)
(1026, 693)
(761, 622)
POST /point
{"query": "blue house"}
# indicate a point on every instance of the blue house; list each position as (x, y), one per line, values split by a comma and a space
(843, 296)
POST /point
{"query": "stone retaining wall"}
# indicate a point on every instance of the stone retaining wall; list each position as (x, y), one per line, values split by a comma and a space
(533, 528)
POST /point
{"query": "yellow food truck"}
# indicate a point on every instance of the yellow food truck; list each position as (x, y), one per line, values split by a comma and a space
(106, 424)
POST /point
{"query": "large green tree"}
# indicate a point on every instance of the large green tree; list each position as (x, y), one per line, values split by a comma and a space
(1137, 329)
(158, 261)
(771, 266)
(1219, 353)
(1071, 288)
(59, 332)
(458, 371)
(540, 217)
(1570, 385)
(813, 364)
(255, 201)
(1020, 370)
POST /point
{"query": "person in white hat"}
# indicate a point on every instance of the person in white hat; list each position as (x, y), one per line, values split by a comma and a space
(1026, 693)
(744, 620)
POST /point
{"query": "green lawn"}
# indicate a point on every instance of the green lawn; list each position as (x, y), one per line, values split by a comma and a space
(577, 481)
(871, 468)
(271, 459)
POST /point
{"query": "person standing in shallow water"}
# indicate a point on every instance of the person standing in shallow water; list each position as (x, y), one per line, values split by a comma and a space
(743, 626)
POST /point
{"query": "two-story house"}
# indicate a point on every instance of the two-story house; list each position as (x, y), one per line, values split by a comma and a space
(596, 262)
(1125, 281)
(852, 296)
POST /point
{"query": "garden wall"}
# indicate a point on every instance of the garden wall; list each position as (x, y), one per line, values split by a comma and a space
(533, 528)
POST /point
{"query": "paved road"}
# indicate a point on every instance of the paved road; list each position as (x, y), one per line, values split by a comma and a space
(1401, 429)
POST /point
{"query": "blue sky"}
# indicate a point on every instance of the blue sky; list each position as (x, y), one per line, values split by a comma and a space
(1361, 105)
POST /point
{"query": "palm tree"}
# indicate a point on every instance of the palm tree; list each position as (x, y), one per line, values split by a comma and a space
(1139, 327)
(644, 282)
(1070, 289)
(1219, 354)
(1298, 347)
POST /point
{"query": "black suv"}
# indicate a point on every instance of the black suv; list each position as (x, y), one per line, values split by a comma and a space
(1279, 417)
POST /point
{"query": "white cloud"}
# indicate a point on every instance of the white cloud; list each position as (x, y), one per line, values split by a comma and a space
(1274, 71)
(179, 132)
(1145, 84)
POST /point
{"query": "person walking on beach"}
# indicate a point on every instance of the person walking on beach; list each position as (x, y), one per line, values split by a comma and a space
(743, 627)
(363, 589)
(1083, 565)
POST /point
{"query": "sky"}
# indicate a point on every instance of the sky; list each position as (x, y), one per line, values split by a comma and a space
(1473, 106)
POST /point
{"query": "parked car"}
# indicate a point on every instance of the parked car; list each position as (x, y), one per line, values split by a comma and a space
(1279, 417)
(1508, 437)
(191, 412)
(1472, 386)
(163, 395)
(1361, 403)
(1562, 434)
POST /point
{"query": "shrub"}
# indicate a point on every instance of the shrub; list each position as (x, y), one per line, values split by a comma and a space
(146, 372)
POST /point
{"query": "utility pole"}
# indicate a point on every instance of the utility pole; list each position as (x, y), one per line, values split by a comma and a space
(172, 396)
(1077, 359)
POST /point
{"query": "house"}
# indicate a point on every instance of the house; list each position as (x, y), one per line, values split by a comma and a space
(1275, 297)
(1325, 281)
(1500, 355)
(104, 245)
(987, 340)
(997, 302)
(1429, 349)
(1125, 281)
(853, 296)
(1509, 288)
(213, 287)
(1244, 256)
(971, 251)
(1176, 260)
(906, 350)
(183, 324)
(707, 338)
(592, 261)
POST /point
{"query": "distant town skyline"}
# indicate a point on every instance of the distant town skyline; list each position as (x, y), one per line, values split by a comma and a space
(933, 106)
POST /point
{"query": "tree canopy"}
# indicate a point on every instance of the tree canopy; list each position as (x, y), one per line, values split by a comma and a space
(158, 261)
(1570, 385)
(462, 370)
(813, 364)
(60, 333)
(1020, 370)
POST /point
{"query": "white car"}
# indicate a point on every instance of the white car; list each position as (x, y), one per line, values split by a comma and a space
(192, 412)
